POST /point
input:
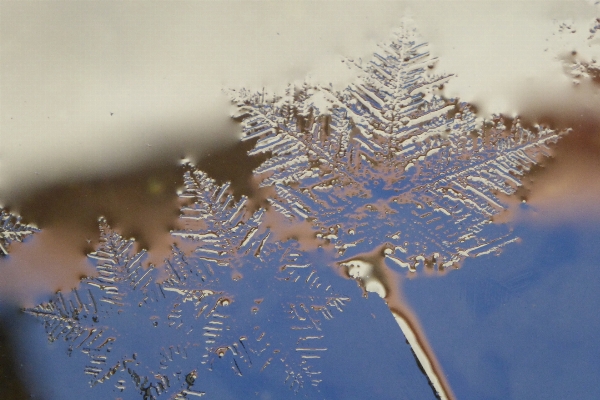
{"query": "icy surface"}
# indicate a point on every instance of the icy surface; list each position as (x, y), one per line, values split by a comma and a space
(387, 167)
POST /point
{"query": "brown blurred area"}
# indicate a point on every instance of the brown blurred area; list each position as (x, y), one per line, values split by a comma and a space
(142, 204)
(568, 187)
(564, 187)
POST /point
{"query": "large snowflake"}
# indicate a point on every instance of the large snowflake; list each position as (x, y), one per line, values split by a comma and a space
(385, 168)
(389, 160)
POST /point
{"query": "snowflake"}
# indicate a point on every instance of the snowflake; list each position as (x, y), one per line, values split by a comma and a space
(12, 230)
(211, 315)
(389, 160)
(384, 172)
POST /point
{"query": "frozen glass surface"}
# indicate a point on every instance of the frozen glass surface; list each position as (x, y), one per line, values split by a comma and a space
(314, 257)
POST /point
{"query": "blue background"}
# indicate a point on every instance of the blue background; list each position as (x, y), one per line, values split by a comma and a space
(520, 325)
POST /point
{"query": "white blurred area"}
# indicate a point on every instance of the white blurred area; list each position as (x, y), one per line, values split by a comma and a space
(90, 88)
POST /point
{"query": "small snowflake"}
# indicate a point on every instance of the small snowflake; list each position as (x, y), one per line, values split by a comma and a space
(12, 230)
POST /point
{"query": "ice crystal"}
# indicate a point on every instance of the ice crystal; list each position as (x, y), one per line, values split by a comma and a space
(387, 163)
(389, 160)
(205, 314)
(12, 230)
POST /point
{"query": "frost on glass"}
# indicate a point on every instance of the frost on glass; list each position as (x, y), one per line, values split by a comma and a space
(12, 230)
(582, 68)
(389, 161)
(384, 178)
(158, 334)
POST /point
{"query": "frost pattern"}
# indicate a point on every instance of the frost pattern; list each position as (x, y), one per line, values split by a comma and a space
(386, 163)
(12, 230)
(582, 68)
(211, 315)
(389, 159)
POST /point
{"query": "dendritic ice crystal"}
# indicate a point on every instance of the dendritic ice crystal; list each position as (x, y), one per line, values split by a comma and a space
(386, 165)
(223, 290)
(12, 230)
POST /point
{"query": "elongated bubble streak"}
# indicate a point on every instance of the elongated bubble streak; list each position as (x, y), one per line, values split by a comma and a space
(425, 356)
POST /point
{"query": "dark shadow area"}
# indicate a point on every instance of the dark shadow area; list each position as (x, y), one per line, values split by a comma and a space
(11, 386)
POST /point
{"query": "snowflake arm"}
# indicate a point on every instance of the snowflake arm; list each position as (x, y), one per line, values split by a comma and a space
(12, 230)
